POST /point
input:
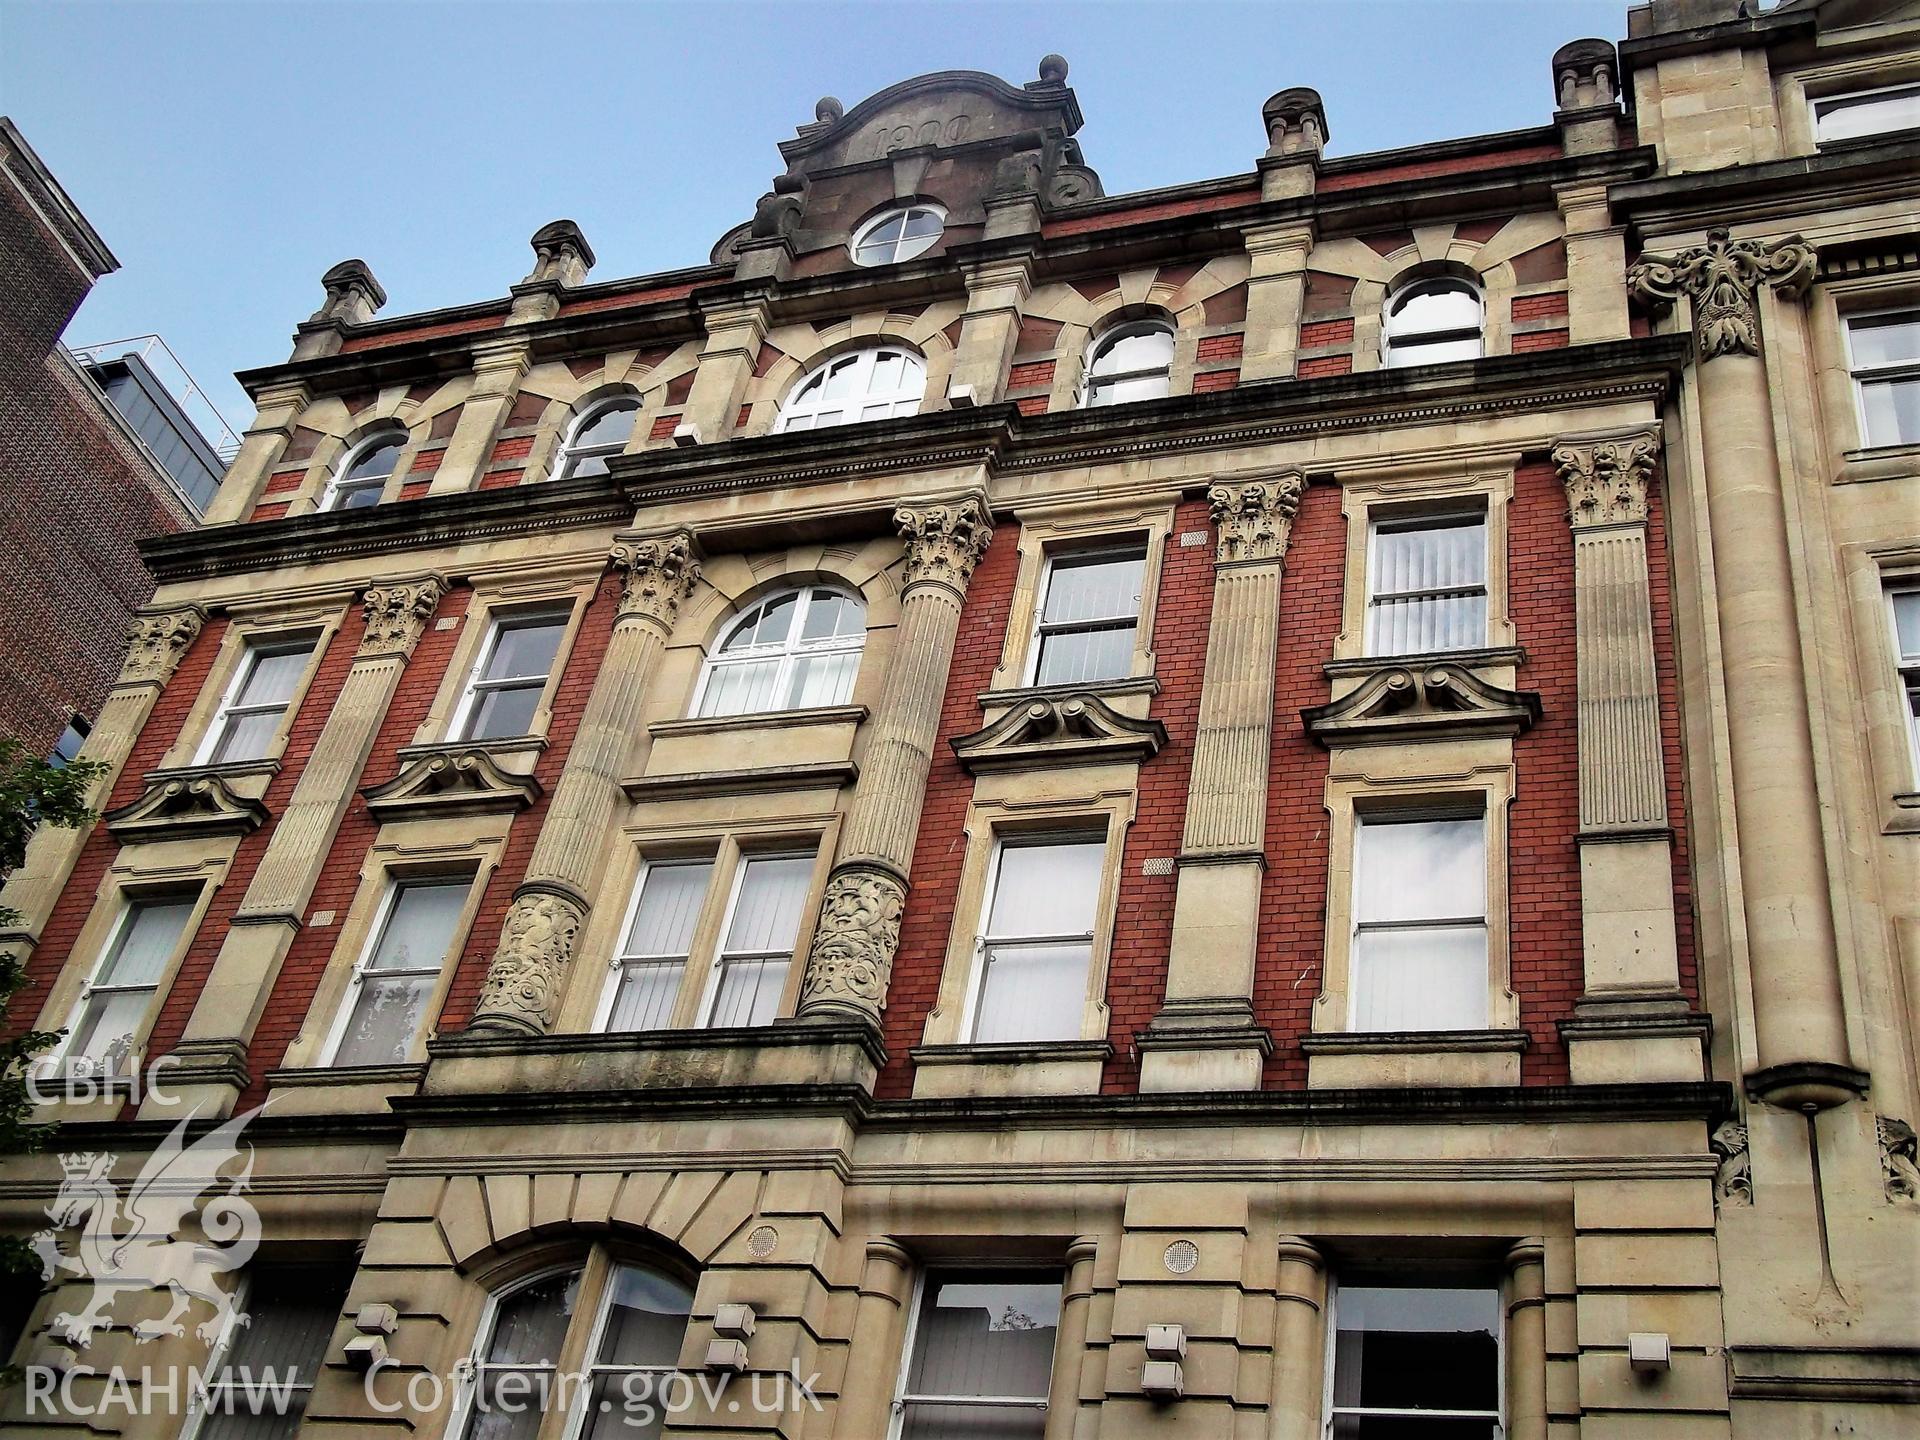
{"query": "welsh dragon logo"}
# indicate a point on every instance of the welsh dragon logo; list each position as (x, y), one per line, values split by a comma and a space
(133, 1243)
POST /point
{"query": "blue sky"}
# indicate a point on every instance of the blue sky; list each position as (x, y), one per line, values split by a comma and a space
(230, 152)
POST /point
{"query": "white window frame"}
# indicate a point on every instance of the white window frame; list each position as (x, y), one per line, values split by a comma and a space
(1413, 343)
(901, 1397)
(199, 1413)
(919, 244)
(619, 962)
(710, 993)
(571, 453)
(1113, 334)
(793, 407)
(1499, 1352)
(1357, 926)
(1388, 522)
(983, 942)
(1907, 674)
(64, 1061)
(356, 979)
(336, 489)
(1858, 375)
(1815, 102)
(789, 651)
(577, 1413)
(1036, 640)
(498, 622)
(254, 650)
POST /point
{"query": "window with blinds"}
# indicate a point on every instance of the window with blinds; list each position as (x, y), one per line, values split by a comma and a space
(262, 1373)
(1088, 615)
(396, 980)
(505, 690)
(1415, 1362)
(1037, 942)
(114, 1003)
(795, 650)
(1427, 585)
(659, 940)
(255, 705)
(980, 1358)
(1419, 959)
(759, 934)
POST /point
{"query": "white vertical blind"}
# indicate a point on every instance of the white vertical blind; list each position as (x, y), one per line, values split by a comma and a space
(1419, 957)
(795, 650)
(251, 716)
(529, 1327)
(258, 1388)
(398, 979)
(1427, 586)
(1039, 941)
(982, 1357)
(1088, 619)
(761, 934)
(653, 958)
(871, 384)
(122, 989)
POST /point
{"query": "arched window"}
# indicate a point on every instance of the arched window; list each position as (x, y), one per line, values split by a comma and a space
(600, 432)
(362, 472)
(1130, 362)
(627, 1320)
(1430, 321)
(898, 235)
(872, 384)
(794, 650)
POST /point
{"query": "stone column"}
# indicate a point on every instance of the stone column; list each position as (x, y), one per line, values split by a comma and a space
(1527, 1340)
(1596, 259)
(156, 642)
(1792, 952)
(266, 440)
(213, 1049)
(499, 365)
(1632, 1023)
(1070, 1340)
(996, 297)
(734, 333)
(1204, 1037)
(873, 1357)
(524, 986)
(1299, 1342)
(1276, 298)
(859, 928)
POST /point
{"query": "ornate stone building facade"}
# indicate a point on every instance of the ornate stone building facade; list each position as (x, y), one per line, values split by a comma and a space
(1277, 808)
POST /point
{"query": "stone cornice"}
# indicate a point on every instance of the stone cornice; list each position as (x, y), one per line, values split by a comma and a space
(1670, 203)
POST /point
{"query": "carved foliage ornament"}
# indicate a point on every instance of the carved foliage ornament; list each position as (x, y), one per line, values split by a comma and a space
(1733, 1181)
(1607, 480)
(659, 573)
(1899, 1160)
(155, 644)
(944, 541)
(1254, 520)
(536, 945)
(1721, 278)
(853, 947)
(397, 614)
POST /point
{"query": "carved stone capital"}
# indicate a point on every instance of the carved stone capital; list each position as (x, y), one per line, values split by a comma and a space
(944, 541)
(1254, 519)
(536, 946)
(658, 572)
(854, 944)
(1733, 1180)
(1899, 1154)
(1722, 278)
(397, 615)
(156, 643)
(1607, 479)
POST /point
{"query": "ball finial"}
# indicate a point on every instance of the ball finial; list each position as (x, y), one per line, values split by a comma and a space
(827, 110)
(1053, 69)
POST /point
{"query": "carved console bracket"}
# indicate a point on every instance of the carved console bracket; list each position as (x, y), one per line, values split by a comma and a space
(1067, 730)
(181, 807)
(1429, 702)
(450, 782)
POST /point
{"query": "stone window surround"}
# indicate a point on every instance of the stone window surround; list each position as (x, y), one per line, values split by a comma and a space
(1795, 93)
(1872, 573)
(1045, 532)
(1406, 493)
(275, 620)
(333, 449)
(1384, 779)
(766, 396)
(568, 423)
(1093, 799)
(568, 398)
(411, 850)
(782, 825)
(137, 872)
(1834, 303)
(899, 1372)
(501, 594)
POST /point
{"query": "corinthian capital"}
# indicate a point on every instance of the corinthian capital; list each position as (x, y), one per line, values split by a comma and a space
(1607, 479)
(658, 573)
(1255, 518)
(397, 613)
(1721, 278)
(155, 644)
(944, 541)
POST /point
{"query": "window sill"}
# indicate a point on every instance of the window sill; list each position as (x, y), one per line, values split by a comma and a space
(1046, 1067)
(519, 753)
(1486, 658)
(758, 720)
(341, 1089)
(1413, 1058)
(1129, 685)
(1903, 816)
(1878, 462)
